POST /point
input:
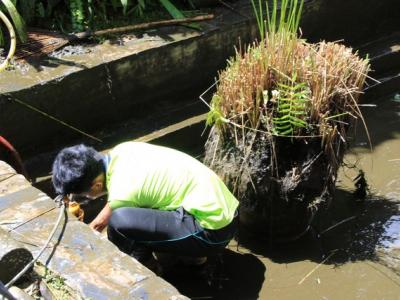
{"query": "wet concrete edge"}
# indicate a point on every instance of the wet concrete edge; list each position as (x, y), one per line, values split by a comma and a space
(91, 265)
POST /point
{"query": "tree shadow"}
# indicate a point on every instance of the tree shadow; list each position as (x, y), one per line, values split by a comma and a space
(30, 53)
(242, 277)
(52, 62)
(358, 238)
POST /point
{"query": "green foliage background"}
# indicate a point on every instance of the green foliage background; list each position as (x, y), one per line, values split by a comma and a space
(80, 15)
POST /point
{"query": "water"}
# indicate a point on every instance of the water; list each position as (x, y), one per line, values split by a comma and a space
(357, 259)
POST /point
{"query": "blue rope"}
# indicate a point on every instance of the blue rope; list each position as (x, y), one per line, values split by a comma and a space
(171, 240)
(185, 237)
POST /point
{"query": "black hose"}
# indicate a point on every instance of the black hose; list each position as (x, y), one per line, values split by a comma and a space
(58, 199)
(5, 293)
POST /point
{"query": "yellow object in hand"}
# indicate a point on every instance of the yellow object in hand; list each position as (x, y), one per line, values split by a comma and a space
(75, 209)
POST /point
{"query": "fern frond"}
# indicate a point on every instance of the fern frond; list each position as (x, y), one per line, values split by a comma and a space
(291, 108)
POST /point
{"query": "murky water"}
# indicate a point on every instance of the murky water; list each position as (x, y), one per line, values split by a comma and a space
(356, 256)
(356, 259)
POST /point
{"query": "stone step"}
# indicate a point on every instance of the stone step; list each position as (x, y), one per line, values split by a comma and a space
(91, 265)
(13, 257)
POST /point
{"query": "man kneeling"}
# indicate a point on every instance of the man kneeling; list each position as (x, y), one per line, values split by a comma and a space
(159, 199)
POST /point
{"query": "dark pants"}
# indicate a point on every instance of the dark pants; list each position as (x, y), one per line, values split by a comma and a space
(140, 231)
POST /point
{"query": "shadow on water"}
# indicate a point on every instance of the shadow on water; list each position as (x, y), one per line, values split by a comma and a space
(242, 278)
(356, 239)
(245, 267)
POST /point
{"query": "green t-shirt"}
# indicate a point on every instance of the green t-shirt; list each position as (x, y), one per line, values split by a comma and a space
(149, 176)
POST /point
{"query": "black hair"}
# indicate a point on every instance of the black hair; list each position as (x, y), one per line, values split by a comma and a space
(75, 168)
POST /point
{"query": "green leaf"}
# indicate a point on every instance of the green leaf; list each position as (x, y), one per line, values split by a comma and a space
(287, 132)
(291, 107)
(284, 117)
(77, 12)
(277, 122)
(336, 116)
(297, 113)
(17, 20)
(284, 111)
(284, 86)
(298, 122)
(27, 9)
(172, 10)
(214, 116)
(283, 127)
(300, 97)
(299, 86)
(40, 10)
(124, 6)
(296, 106)
(1, 38)
(114, 4)
(90, 10)
(142, 3)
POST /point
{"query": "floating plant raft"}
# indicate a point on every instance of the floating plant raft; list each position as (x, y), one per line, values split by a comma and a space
(280, 118)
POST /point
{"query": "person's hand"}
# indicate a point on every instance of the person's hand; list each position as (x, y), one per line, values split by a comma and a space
(101, 221)
(98, 224)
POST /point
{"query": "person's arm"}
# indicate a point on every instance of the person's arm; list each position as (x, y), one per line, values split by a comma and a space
(101, 221)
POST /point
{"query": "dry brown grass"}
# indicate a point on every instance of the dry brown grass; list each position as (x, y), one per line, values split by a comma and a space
(332, 73)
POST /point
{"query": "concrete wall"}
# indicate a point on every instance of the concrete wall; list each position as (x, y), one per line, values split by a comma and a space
(153, 78)
(352, 21)
(136, 85)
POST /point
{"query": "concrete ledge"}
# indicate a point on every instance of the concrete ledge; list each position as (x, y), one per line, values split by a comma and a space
(91, 265)
(10, 181)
